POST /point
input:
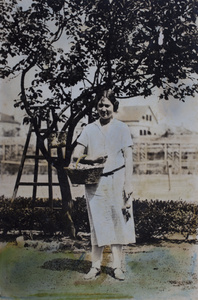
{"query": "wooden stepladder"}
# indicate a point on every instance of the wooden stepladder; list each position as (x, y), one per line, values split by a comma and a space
(36, 158)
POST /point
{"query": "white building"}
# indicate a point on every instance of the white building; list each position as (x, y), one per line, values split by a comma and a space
(140, 119)
(9, 127)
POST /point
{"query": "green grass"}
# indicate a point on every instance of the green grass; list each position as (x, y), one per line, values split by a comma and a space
(162, 271)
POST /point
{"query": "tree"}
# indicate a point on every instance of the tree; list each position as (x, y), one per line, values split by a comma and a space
(130, 46)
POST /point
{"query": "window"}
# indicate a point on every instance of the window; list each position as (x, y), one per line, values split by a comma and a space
(150, 118)
(140, 132)
(147, 117)
(144, 132)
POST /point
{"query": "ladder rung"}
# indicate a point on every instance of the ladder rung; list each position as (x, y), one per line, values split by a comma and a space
(40, 130)
(34, 156)
(38, 183)
(43, 207)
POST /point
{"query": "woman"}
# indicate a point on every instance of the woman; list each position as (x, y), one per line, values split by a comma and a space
(108, 141)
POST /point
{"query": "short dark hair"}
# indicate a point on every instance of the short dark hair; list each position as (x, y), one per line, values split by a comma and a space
(109, 94)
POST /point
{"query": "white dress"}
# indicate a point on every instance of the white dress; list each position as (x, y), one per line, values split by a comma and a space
(105, 200)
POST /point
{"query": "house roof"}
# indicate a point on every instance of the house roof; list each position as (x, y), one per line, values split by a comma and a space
(4, 118)
(134, 113)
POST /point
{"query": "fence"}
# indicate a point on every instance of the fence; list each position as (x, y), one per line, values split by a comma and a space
(180, 156)
(150, 156)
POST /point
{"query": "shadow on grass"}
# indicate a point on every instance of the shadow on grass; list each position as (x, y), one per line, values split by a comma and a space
(80, 265)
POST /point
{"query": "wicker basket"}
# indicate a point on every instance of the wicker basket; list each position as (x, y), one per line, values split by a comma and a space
(84, 176)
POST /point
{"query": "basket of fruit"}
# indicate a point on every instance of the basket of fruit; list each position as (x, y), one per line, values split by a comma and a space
(84, 174)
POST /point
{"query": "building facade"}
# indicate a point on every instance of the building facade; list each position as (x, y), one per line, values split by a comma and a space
(140, 119)
(9, 127)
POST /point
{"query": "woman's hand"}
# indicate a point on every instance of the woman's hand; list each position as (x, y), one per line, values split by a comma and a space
(127, 192)
(128, 189)
(90, 161)
(79, 152)
(100, 160)
(126, 209)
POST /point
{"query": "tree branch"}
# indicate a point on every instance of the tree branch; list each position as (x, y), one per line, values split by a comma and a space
(23, 94)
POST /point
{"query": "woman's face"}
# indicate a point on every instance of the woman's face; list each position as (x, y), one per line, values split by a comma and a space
(105, 109)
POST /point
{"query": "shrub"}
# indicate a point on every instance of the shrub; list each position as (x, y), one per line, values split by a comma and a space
(157, 219)
(153, 219)
(80, 215)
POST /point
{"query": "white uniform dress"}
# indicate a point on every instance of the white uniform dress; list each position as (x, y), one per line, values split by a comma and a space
(105, 199)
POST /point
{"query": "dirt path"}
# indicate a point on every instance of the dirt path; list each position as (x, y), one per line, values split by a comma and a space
(162, 271)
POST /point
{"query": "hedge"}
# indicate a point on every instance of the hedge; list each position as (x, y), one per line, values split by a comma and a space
(154, 219)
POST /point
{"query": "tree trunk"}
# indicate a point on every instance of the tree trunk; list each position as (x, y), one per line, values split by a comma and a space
(66, 202)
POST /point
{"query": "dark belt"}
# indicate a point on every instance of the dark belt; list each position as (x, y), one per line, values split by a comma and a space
(113, 171)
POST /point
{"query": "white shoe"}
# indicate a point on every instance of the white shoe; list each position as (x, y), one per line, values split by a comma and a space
(92, 274)
(118, 274)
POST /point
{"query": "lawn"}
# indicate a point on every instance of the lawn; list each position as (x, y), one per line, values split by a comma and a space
(161, 271)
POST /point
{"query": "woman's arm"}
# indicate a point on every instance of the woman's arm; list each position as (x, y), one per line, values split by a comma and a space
(79, 152)
(128, 157)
